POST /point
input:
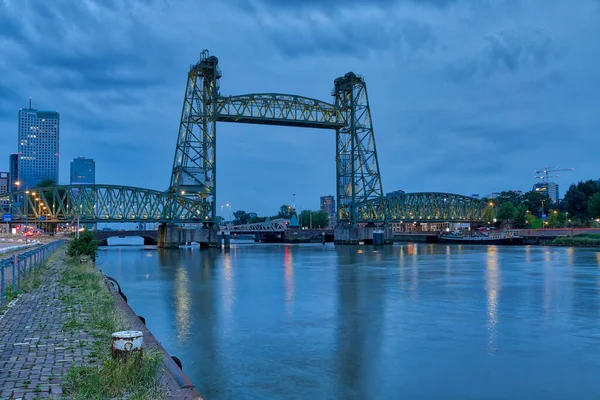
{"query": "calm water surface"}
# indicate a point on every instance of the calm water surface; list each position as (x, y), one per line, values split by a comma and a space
(340, 322)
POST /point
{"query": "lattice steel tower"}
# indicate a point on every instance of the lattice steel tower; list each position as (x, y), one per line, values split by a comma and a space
(357, 167)
(194, 166)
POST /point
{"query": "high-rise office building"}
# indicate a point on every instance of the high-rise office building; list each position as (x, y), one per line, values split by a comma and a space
(4, 182)
(83, 171)
(328, 204)
(13, 172)
(38, 147)
(549, 188)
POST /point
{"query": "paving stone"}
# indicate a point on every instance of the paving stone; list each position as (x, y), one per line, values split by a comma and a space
(30, 332)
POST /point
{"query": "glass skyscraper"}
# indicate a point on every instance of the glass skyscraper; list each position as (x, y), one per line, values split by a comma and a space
(38, 147)
(83, 171)
(13, 172)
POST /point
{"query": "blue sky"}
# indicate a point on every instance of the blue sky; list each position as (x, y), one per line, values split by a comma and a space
(467, 96)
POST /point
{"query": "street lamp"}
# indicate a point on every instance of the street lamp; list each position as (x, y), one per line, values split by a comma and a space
(542, 213)
(26, 197)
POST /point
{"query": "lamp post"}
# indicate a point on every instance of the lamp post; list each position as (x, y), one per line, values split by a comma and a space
(543, 220)
(26, 197)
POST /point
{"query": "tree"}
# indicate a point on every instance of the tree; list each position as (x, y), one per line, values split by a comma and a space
(509, 197)
(532, 200)
(507, 212)
(520, 217)
(85, 245)
(305, 217)
(552, 220)
(594, 205)
(576, 199)
(285, 211)
(319, 219)
(489, 214)
(241, 217)
(529, 218)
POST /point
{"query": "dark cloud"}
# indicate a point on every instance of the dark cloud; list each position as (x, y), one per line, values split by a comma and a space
(353, 38)
(506, 52)
(467, 96)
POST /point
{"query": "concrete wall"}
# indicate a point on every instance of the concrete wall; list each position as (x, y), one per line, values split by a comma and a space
(172, 236)
(349, 235)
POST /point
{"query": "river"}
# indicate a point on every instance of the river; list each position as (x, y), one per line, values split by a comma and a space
(410, 321)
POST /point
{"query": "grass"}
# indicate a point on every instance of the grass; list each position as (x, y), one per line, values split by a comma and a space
(92, 308)
(134, 378)
(30, 280)
(583, 240)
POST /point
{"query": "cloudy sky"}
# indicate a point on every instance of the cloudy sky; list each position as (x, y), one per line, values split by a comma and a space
(467, 96)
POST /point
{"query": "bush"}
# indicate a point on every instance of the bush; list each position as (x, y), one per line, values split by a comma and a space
(85, 245)
(585, 240)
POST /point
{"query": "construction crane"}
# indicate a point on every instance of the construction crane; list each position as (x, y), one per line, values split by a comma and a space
(544, 173)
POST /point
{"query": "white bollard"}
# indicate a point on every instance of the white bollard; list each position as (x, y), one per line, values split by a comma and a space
(125, 343)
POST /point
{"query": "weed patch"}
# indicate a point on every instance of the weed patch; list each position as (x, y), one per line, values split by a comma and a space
(91, 307)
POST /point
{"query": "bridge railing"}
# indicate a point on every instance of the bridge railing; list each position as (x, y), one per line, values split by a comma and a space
(19, 266)
(276, 225)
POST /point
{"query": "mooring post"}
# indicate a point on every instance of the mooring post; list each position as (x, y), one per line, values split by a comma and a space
(126, 343)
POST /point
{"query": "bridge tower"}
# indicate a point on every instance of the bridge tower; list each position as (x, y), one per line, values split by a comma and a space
(194, 166)
(357, 169)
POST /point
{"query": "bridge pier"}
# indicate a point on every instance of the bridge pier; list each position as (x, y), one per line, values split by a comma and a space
(171, 236)
(345, 234)
(168, 236)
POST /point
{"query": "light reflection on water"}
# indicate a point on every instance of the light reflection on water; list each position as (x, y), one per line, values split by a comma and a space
(492, 286)
(414, 321)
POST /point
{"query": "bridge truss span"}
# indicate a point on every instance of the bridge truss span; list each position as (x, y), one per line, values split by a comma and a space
(276, 225)
(423, 207)
(101, 203)
(279, 109)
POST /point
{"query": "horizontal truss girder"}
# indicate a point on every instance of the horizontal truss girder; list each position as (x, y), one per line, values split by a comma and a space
(101, 203)
(422, 207)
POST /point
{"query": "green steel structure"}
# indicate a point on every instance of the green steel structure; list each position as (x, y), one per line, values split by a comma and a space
(195, 167)
(192, 191)
(423, 207)
(100, 203)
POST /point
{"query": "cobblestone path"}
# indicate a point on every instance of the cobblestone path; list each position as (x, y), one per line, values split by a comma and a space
(35, 352)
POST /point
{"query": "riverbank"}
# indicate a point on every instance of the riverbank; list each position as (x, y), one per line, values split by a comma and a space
(583, 240)
(55, 340)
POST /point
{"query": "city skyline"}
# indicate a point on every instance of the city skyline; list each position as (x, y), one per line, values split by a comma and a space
(460, 108)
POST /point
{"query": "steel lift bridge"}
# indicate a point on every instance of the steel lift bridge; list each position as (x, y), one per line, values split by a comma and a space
(191, 197)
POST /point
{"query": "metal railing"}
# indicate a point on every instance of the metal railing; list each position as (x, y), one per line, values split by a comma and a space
(20, 266)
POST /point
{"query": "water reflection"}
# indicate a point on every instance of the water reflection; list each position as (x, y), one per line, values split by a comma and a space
(361, 305)
(492, 287)
(183, 304)
(288, 267)
(403, 321)
(228, 283)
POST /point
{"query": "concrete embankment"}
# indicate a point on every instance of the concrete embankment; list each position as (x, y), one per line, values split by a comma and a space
(177, 383)
(55, 340)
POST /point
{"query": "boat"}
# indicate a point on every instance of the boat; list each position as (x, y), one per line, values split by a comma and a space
(509, 237)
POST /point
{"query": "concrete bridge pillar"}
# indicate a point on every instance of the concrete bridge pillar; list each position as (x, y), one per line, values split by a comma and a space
(169, 236)
(172, 236)
(345, 234)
